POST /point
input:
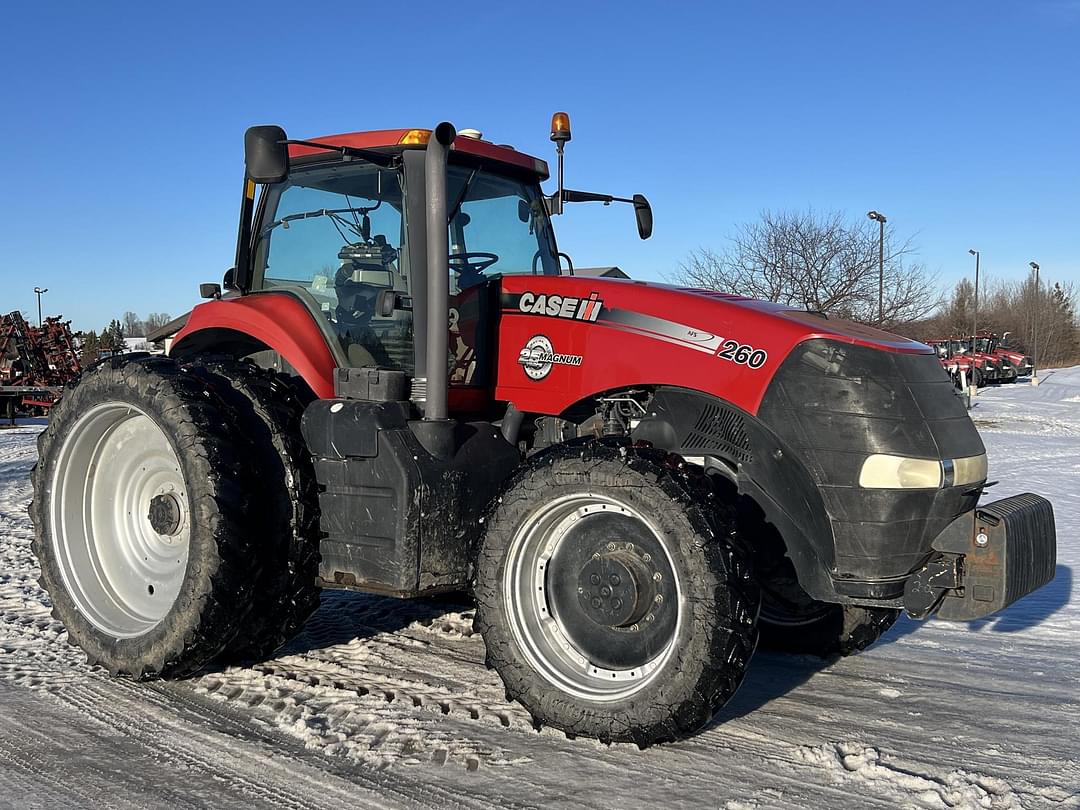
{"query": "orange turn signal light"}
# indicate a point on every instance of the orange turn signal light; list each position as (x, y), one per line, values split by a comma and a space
(415, 137)
(560, 127)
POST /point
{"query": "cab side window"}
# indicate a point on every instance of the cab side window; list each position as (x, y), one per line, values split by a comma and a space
(337, 237)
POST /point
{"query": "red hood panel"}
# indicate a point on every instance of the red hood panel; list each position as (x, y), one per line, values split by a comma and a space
(562, 339)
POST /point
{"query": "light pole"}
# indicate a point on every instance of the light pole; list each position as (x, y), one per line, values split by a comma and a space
(1035, 329)
(40, 292)
(880, 220)
(975, 316)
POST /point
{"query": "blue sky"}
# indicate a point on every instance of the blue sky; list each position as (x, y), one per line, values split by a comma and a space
(122, 124)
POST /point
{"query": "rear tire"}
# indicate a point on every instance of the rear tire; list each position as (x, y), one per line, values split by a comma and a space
(649, 663)
(286, 593)
(142, 507)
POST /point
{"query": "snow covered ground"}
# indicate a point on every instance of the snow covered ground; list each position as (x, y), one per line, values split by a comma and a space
(382, 703)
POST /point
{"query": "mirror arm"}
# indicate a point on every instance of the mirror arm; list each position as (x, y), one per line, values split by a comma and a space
(590, 196)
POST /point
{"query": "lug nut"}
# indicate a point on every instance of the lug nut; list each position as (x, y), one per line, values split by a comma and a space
(657, 577)
(646, 556)
(596, 602)
(594, 579)
(605, 592)
(610, 546)
(615, 580)
(616, 603)
(659, 598)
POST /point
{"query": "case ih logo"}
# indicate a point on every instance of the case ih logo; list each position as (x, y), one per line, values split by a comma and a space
(559, 306)
(538, 357)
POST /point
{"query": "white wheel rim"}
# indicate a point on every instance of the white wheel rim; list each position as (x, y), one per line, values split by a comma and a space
(538, 629)
(122, 571)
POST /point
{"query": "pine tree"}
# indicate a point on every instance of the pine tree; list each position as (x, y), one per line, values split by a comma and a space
(90, 348)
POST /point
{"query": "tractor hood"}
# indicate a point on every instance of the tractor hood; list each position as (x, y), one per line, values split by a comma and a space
(614, 333)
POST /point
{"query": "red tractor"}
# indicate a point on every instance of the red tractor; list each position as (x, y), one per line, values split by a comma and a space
(989, 343)
(978, 369)
(403, 391)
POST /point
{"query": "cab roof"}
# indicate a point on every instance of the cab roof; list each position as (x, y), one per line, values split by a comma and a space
(417, 139)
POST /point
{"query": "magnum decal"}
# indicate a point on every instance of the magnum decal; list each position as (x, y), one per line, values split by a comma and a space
(538, 356)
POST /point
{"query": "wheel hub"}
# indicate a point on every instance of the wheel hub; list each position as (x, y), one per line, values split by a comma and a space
(615, 589)
(164, 514)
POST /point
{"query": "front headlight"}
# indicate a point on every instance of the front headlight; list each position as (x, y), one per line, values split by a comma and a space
(970, 470)
(881, 471)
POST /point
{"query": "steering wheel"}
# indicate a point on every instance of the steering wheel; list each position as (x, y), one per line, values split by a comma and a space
(472, 263)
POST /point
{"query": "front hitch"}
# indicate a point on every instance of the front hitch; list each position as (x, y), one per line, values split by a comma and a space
(986, 559)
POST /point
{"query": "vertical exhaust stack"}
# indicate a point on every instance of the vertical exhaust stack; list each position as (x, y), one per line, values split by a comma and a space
(438, 273)
(436, 431)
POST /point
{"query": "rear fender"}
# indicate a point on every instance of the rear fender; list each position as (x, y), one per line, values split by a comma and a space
(246, 324)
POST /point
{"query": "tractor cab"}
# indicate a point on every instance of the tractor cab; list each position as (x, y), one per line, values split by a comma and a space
(347, 238)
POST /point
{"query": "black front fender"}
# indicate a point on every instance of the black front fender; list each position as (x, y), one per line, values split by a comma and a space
(763, 468)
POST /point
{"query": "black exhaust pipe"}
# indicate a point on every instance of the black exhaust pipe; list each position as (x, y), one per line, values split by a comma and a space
(437, 407)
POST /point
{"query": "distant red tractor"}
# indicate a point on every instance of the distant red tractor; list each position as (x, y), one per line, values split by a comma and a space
(405, 390)
(989, 343)
(978, 369)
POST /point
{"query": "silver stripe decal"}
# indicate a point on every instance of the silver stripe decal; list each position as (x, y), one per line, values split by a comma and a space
(660, 329)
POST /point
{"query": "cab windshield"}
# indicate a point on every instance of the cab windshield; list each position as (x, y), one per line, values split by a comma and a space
(498, 225)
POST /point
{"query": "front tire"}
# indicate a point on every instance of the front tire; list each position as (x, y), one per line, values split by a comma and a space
(613, 597)
(142, 500)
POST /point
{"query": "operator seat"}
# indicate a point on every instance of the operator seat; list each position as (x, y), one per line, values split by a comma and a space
(362, 276)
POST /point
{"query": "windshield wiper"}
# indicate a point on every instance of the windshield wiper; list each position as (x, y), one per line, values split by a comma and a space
(333, 213)
(370, 155)
(461, 196)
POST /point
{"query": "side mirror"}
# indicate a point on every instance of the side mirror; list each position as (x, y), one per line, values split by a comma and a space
(643, 213)
(229, 280)
(266, 155)
(209, 290)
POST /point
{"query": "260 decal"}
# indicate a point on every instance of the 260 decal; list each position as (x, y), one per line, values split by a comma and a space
(743, 354)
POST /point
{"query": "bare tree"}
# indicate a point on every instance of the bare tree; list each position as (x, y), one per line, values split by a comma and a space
(133, 326)
(818, 262)
(156, 320)
(1013, 307)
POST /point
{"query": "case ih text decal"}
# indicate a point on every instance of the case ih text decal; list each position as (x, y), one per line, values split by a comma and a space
(561, 306)
(538, 356)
